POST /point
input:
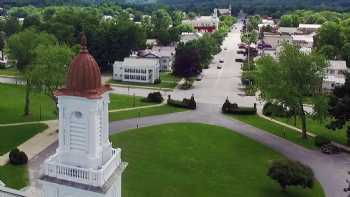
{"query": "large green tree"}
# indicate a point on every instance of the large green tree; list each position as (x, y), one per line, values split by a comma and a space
(21, 47)
(50, 67)
(289, 80)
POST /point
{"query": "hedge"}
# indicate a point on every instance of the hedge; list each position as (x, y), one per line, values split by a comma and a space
(185, 103)
(233, 108)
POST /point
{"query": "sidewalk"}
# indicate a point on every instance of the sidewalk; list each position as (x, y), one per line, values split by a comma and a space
(142, 107)
(37, 143)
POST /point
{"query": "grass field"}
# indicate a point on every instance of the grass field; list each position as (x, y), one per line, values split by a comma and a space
(42, 107)
(187, 159)
(14, 176)
(13, 136)
(8, 71)
(319, 128)
(12, 105)
(276, 129)
(119, 101)
(159, 110)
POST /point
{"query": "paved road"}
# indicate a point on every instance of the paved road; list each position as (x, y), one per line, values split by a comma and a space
(217, 84)
(330, 170)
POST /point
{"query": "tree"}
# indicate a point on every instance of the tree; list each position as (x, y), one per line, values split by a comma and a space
(2, 44)
(187, 60)
(290, 79)
(291, 173)
(161, 21)
(339, 108)
(249, 38)
(50, 67)
(345, 53)
(12, 26)
(328, 51)
(21, 47)
(329, 34)
(31, 21)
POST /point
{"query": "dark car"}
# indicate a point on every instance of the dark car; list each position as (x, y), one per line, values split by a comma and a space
(241, 46)
(239, 60)
(241, 52)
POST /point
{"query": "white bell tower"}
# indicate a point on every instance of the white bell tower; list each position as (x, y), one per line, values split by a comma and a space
(85, 163)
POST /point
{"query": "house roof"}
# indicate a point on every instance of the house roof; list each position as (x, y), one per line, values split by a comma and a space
(203, 20)
(157, 52)
(288, 30)
(309, 38)
(337, 65)
(310, 26)
(138, 61)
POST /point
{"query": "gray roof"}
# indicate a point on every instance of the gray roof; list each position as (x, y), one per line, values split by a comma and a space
(139, 61)
(337, 65)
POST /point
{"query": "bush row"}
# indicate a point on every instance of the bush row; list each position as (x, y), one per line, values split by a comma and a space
(233, 108)
(185, 103)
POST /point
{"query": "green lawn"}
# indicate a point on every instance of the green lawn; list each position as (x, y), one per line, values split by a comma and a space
(10, 137)
(43, 108)
(12, 105)
(169, 77)
(8, 71)
(187, 159)
(119, 101)
(276, 129)
(13, 136)
(319, 128)
(159, 110)
(14, 176)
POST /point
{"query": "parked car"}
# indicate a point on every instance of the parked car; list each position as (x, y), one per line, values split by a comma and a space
(221, 61)
(219, 67)
(239, 60)
(241, 46)
(225, 48)
(199, 78)
(241, 52)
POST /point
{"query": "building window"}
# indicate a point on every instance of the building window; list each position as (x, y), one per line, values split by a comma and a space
(78, 114)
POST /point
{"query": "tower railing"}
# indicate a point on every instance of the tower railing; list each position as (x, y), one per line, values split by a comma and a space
(85, 176)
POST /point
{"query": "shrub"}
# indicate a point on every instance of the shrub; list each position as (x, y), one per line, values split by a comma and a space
(291, 173)
(185, 103)
(18, 157)
(157, 81)
(233, 108)
(154, 97)
(321, 141)
(271, 109)
(187, 85)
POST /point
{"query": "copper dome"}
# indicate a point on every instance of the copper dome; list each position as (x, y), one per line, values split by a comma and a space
(84, 76)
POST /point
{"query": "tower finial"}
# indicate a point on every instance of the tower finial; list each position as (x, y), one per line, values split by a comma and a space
(83, 42)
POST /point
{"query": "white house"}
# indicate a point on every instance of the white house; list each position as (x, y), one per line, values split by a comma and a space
(276, 40)
(305, 40)
(309, 28)
(335, 75)
(164, 54)
(189, 36)
(136, 69)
